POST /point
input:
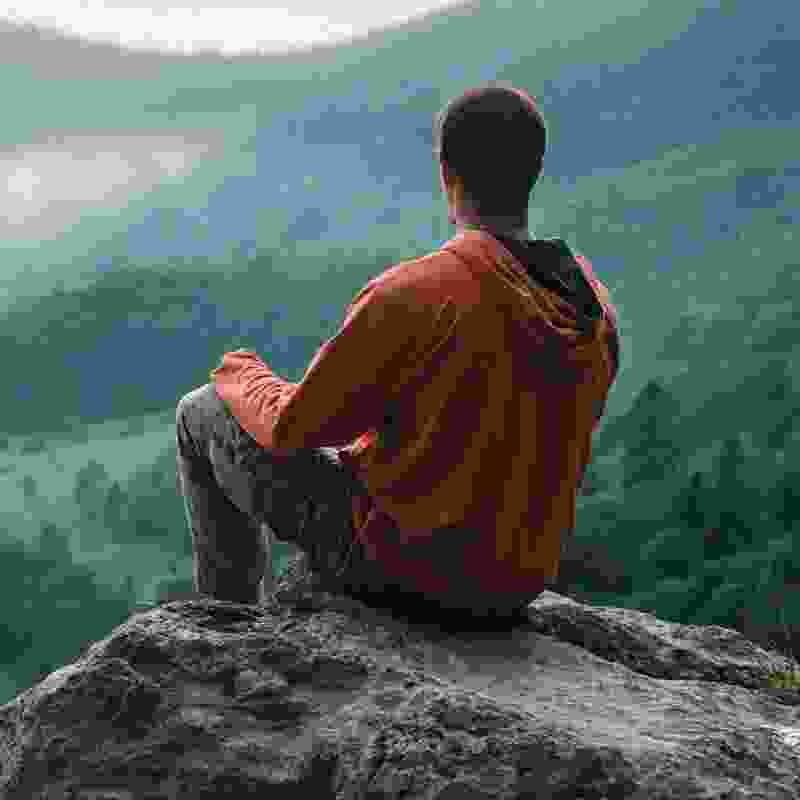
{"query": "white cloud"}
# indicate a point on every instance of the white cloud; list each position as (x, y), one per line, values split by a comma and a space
(189, 26)
(45, 188)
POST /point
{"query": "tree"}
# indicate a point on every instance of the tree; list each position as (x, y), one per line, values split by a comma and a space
(90, 483)
(787, 499)
(690, 506)
(735, 508)
(33, 445)
(29, 487)
(54, 544)
(651, 450)
(729, 465)
(113, 506)
(777, 404)
(593, 481)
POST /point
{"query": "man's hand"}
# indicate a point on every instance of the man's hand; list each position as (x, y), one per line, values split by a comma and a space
(211, 376)
(222, 359)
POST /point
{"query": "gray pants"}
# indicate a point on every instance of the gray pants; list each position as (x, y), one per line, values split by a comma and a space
(238, 495)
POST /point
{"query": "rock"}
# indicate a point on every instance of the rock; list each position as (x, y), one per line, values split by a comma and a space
(319, 696)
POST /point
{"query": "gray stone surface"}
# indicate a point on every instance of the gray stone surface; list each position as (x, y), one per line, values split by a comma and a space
(315, 696)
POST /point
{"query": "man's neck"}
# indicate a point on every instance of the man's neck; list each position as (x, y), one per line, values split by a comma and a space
(515, 229)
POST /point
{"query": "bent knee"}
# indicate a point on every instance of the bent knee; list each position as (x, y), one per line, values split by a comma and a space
(203, 398)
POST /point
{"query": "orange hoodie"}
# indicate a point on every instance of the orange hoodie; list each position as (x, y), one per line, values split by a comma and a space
(463, 388)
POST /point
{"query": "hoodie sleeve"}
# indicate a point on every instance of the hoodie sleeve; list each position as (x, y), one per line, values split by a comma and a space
(345, 387)
(612, 335)
(610, 308)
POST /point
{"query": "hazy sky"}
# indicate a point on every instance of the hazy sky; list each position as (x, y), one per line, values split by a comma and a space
(186, 25)
(45, 187)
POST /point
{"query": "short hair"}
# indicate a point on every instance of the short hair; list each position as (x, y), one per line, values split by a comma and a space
(493, 137)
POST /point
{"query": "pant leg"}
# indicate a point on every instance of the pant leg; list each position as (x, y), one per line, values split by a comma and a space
(237, 493)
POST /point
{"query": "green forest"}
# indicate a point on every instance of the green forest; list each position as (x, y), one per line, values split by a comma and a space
(686, 511)
(670, 165)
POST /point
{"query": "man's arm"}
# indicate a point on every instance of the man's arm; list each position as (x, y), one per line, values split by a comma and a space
(345, 388)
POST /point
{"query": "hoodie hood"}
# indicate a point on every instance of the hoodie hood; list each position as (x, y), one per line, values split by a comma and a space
(551, 264)
(554, 303)
(551, 294)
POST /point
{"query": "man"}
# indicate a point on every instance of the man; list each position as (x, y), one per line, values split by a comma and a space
(432, 453)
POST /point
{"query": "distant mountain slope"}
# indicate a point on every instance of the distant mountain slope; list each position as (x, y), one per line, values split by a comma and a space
(389, 84)
(669, 165)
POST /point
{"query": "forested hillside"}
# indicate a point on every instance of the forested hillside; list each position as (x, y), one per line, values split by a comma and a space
(177, 208)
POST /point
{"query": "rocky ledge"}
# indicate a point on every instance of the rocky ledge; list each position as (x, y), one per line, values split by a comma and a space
(317, 696)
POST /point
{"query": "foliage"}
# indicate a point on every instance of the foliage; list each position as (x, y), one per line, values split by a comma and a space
(52, 595)
(189, 319)
(785, 680)
(147, 506)
(652, 451)
(33, 444)
(29, 488)
(722, 554)
(690, 508)
(681, 540)
(175, 589)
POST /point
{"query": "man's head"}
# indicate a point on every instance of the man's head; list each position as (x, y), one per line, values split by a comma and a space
(490, 142)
